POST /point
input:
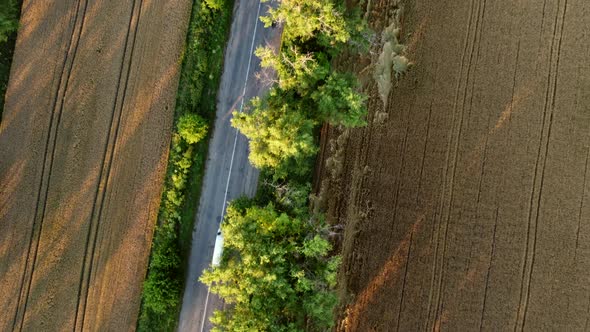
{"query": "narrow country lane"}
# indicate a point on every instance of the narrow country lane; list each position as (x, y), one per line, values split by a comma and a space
(228, 174)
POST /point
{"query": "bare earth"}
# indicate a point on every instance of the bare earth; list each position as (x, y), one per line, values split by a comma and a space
(466, 201)
(83, 144)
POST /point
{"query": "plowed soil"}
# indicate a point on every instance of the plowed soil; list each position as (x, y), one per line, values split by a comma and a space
(466, 201)
(83, 145)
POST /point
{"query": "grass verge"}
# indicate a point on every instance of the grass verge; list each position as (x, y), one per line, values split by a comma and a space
(9, 14)
(199, 81)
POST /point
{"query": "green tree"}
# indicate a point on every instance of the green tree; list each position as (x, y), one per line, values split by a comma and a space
(305, 20)
(192, 127)
(275, 273)
(339, 103)
(281, 125)
(280, 134)
(295, 70)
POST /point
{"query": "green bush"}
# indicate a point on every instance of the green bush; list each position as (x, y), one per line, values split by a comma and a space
(162, 288)
(192, 128)
(9, 14)
(215, 4)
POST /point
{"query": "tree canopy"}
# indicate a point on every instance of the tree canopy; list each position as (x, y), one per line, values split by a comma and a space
(295, 69)
(339, 103)
(275, 272)
(192, 127)
(281, 125)
(280, 133)
(310, 19)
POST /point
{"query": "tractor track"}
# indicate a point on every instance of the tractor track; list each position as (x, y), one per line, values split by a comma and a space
(485, 147)
(42, 200)
(98, 150)
(103, 181)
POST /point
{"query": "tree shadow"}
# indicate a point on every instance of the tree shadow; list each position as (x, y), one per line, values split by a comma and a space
(84, 144)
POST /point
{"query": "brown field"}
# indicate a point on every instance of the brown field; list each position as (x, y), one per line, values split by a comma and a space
(83, 145)
(466, 201)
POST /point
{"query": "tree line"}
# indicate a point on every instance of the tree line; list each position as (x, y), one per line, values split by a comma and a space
(278, 271)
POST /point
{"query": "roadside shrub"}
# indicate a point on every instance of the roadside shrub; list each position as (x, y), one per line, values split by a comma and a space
(9, 12)
(215, 4)
(162, 288)
(9, 15)
(192, 128)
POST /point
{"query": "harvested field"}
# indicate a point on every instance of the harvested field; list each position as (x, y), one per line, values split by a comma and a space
(466, 201)
(83, 144)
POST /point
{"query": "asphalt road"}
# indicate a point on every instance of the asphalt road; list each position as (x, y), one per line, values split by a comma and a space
(228, 173)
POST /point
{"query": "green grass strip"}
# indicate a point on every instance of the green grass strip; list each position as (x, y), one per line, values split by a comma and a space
(9, 14)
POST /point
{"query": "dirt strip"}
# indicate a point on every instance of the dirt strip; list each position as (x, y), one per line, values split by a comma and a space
(466, 201)
(83, 145)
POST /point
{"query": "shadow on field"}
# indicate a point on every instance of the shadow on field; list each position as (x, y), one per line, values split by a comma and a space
(83, 145)
(488, 137)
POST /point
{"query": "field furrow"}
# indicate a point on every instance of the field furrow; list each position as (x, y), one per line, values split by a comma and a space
(466, 207)
(83, 145)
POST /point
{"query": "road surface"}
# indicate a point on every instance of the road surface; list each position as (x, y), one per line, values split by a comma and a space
(228, 173)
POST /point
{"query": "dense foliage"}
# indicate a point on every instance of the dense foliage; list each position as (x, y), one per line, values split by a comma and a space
(280, 133)
(9, 14)
(318, 20)
(195, 111)
(163, 284)
(277, 272)
(8, 18)
(192, 128)
(308, 91)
